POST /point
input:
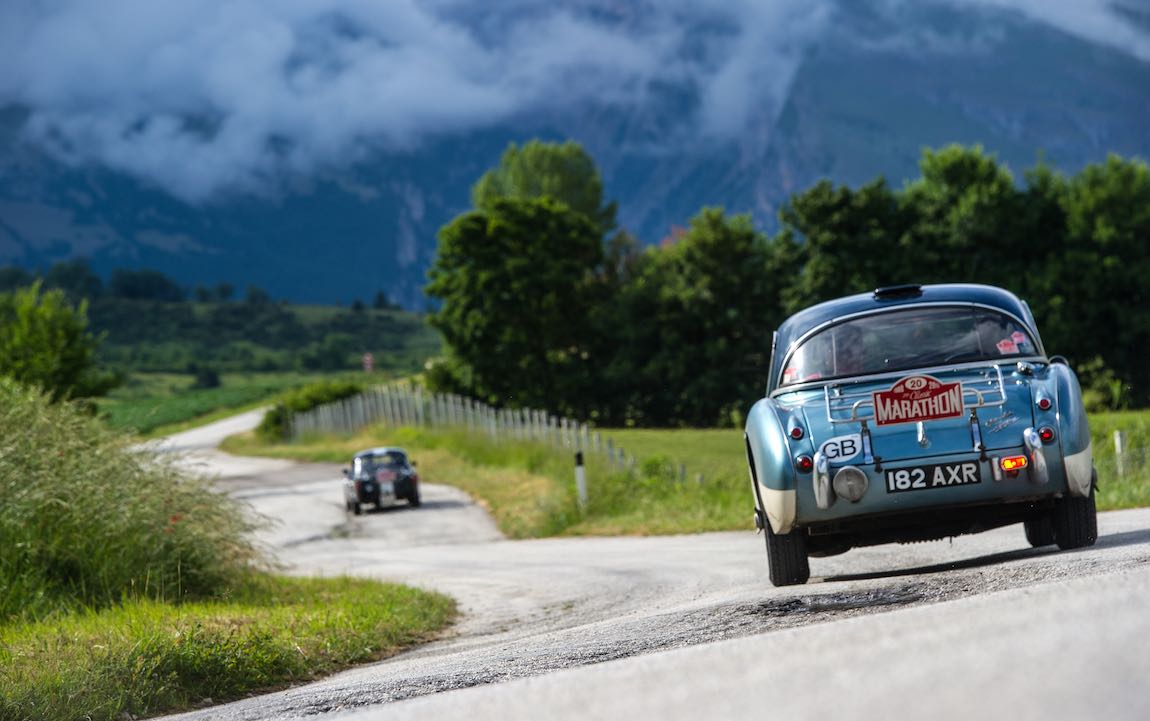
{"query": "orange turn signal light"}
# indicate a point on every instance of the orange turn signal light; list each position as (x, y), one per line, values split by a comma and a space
(1013, 463)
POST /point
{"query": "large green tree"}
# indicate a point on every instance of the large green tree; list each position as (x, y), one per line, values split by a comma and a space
(1093, 297)
(696, 322)
(842, 241)
(563, 171)
(44, 342)
(967, 220)
(517, 285)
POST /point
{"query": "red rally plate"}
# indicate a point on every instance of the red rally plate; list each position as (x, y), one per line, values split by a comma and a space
(917, 398)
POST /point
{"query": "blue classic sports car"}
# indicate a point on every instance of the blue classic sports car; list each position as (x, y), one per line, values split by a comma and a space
(916, 413)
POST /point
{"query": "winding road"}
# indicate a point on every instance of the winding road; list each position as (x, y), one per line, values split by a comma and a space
(688, 627)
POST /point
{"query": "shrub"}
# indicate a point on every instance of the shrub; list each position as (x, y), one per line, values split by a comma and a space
(276, 422)
(44, 341)
(89, 520)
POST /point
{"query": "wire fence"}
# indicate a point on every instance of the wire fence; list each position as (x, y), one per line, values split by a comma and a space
(412, 406)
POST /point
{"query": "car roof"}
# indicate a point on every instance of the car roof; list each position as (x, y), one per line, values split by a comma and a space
(881, 299)
(382, 450)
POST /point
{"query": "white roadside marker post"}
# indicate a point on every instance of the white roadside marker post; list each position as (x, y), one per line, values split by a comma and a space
(580, 480)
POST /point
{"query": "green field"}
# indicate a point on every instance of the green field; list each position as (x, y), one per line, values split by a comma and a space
(1131, 489)
(157, 403)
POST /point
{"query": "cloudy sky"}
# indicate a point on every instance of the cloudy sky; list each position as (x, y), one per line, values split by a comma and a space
(205, 96)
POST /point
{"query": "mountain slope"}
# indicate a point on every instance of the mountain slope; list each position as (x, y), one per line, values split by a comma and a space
(859, 97)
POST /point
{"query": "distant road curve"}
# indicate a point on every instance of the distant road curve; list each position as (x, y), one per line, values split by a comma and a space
(687, 627)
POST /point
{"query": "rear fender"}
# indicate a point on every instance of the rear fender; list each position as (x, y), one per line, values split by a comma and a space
(772, 471)
(1073, 430)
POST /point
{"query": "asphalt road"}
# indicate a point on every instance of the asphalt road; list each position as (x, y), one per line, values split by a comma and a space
(688, 627)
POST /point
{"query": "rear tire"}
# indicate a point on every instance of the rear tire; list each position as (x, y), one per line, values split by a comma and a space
(357, 508)
(787, 557)
(1039, 531)
(1075, 521)
(413, 497)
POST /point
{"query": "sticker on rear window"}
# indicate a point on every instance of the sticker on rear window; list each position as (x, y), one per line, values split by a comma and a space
(1006, 346)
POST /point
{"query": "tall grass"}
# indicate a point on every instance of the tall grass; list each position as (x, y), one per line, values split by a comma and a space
(88, 521)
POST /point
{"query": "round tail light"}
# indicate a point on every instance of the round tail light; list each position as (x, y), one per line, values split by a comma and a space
(805, 464)
(1046, 433)
(1044, 404)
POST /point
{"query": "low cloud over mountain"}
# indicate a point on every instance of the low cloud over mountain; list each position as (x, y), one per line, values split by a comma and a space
(206, 96)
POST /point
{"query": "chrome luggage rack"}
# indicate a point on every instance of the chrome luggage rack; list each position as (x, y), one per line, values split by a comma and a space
(847, 407)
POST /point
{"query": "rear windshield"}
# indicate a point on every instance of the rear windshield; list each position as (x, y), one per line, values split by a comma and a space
(370, 464)
(906, 339)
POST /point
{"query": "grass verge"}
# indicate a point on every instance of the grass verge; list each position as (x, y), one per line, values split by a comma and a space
(1127, 486)
(145, 657)
(529, 487)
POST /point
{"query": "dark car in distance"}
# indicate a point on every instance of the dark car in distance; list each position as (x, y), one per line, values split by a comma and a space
(380, 477)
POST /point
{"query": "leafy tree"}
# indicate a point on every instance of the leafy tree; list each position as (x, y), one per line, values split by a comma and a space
(1094, 300)
(44, 341)
(257, 296)
(76, 278)
(966, 220)
(331, 354)
(381, 302)
(840, 241)
(13, 277)
(225, 292)
(144, 285)
(564, 172)
(517, 286)
(697, 323)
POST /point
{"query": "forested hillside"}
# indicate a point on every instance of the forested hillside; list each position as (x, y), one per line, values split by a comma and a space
(148, 322)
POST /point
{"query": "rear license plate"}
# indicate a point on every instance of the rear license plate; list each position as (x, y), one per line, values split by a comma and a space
(941, 475)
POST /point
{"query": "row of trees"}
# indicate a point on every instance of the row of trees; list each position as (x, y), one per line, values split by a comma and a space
(59, 328)
(545, 304)
(80, 282)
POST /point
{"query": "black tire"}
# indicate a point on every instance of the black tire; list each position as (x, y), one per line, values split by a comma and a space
(357, 508)
(787, 557)
(1075, 521)
(1039, 531)
(413, 497)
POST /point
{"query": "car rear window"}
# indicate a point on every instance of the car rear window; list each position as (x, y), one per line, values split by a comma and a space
(907, 339)
(369, 464)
